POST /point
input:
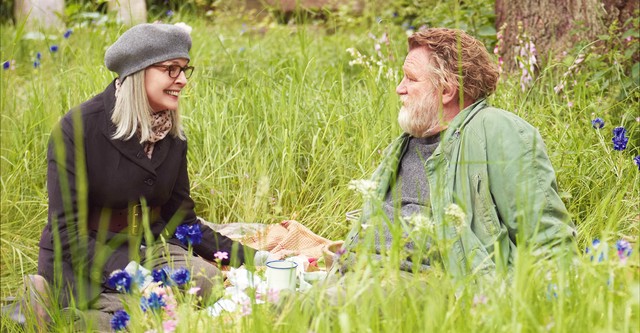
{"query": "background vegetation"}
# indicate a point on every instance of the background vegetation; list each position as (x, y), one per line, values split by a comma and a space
(280, 118)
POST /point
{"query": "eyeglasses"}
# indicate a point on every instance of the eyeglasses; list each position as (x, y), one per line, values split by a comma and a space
(174, 70)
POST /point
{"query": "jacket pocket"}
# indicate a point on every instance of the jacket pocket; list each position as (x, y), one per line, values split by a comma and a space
(485, 214)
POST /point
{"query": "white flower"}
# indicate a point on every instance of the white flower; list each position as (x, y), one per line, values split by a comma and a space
(364, 186)
(455, 215)
(184, 26)
(222, 305)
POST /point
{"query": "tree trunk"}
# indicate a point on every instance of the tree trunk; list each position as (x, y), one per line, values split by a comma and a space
(553, 25)
(130, 11)
(39, 13)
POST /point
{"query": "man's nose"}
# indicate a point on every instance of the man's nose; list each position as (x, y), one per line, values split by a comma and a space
(401, 89)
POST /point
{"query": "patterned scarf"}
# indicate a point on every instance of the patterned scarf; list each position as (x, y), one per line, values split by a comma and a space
(161, 124)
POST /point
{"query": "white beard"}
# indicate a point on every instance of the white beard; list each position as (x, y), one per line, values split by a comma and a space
(422, 118)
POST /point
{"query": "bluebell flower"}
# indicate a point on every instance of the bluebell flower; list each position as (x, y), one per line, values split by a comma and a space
(597, 123)
(189, 234)
(160, 275)
(619, 139)
(36, 64)
(154, 302)
(181, 276)
(38, 55)
(53, 48)
(120, 280)
(6, 65)
(636, 160)
(624, 249)
(169, 13)
(67, 33)
(120, 320)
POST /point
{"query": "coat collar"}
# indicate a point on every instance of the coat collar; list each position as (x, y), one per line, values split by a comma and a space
(132, 149)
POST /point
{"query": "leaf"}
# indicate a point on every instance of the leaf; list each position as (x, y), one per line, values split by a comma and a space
(487, 30)
(635, 71)
(604, 37)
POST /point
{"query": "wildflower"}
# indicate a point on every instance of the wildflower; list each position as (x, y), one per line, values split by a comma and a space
(38, 56)
(6, 65)
(67, 33)
(636, 160)
(120, 280)
(619, 139)
(366, 187)
(624, 249)
(595, 244)
(552, 291)
(221, 305)
(456, 216)
(479, 299)
(53, 48)
(169, 13)
(570, 104)
(120, 320)
(160, 275)
(597, 123)
(36, 64)
(181, 276)
(221, 255)
(189, 234)
(193, 290)
(154, 302)
(169, 325)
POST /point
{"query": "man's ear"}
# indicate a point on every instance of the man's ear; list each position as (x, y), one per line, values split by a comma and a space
(449, 94)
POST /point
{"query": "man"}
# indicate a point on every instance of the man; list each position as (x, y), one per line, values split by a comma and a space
(457, 149)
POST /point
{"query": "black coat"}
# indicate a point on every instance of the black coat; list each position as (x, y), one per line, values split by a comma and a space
(118, 174)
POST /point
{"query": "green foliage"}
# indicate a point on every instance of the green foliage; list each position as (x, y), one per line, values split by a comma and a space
(279, 123)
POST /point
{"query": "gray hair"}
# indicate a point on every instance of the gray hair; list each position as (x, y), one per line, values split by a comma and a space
(132, 111)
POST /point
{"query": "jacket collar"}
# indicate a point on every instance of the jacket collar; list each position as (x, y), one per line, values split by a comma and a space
(132, 149)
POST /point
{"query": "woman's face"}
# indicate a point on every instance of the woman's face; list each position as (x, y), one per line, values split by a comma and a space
(163, 91)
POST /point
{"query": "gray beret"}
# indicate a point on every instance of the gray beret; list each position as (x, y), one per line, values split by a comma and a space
(146, 44)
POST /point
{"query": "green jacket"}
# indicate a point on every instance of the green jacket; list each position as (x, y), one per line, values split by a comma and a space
(494, 166)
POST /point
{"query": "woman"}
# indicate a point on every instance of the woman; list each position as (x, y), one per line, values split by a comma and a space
(117, 166)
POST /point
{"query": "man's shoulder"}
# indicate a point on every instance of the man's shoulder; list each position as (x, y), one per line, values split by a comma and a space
(492, 118)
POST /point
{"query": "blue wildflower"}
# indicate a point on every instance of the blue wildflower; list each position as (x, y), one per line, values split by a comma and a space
(624, 249)
(160, 275)
(53, 48)
(552, 291)
(120, 320)
(67, 33)
(597, 123)
(6, 65)
(619, 139)
(595, 244)
(38, 55)
(636, 160)
(36, 64)
(181, 276)
(169, 13)
(120, 280)
(189, 234)
(154, 302)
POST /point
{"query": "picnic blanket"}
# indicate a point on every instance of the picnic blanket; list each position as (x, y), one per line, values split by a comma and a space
(287, 238)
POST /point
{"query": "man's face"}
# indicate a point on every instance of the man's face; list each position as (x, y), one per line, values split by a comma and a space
(419, 115)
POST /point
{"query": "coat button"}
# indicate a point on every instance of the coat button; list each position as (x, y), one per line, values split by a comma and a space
(148, 181)
(140, 154)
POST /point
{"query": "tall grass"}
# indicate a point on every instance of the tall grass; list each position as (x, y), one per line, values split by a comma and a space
(278, 123)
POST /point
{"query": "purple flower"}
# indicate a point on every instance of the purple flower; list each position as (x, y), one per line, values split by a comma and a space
(169, 13)
(597, 123)
(36, 64)
(160, 275)
(619, 139)
(120, 280)
(6, 65)
(53, 48)
(181, 276)
(636, 160)
(67, 33)
(154, 302)
(38, 56)
(189, 234)
(624, 249)
(120, 320)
